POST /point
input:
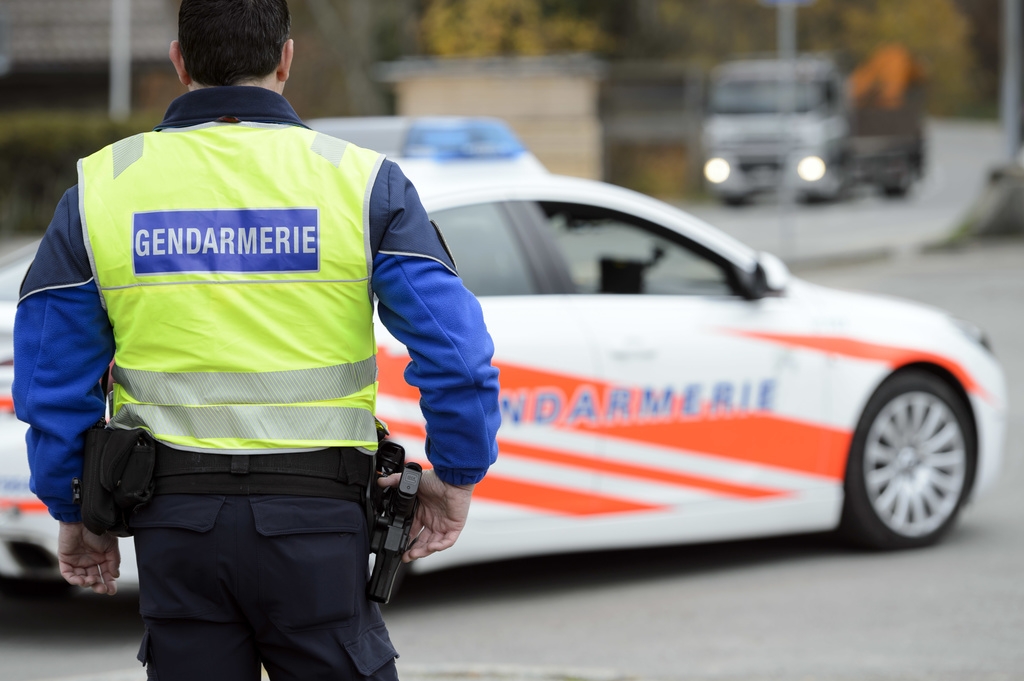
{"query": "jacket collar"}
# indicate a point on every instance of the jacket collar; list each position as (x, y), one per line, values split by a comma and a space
(235, 102)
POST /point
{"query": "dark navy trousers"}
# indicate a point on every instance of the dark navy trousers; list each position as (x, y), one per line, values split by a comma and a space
(230, 582)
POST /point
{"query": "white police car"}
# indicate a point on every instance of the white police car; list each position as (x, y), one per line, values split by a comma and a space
(662, 383)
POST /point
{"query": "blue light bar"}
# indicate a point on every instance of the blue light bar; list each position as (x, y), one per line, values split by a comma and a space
(467, 138)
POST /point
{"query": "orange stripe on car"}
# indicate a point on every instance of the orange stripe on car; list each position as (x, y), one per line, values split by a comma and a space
(554, 499)
(23, 505)
(756, 438)
(646, 473)
(894, 356)
(535, 496)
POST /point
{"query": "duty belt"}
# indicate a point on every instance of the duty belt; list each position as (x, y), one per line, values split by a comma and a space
(336, 472)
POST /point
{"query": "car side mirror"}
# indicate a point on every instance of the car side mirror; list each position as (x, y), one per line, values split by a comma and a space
(773, 272)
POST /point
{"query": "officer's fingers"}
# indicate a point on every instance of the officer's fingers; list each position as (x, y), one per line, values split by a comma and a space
(108, 587)
(419, 548)
(80, 579)
(389, 480)
(417, 527)
(112, 564)
(419, 551)
(73, 579)
(431, 542)
(110, 569)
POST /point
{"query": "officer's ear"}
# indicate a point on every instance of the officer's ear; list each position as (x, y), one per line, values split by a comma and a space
(179, 63)
(284, 66)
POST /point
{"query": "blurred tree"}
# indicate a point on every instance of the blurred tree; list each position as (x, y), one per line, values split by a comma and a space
(480, 28)
(348, 28)
(338, 43)
(986, 36)
(935, 31)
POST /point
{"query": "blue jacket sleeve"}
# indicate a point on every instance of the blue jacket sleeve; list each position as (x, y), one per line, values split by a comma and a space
(425, 306)
(63, 345)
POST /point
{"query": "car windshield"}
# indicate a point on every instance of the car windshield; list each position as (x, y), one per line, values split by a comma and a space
(739, 97)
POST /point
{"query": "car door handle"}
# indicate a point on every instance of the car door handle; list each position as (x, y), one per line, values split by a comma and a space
(633, 353)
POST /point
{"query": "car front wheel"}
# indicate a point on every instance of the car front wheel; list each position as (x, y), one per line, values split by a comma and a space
(911, 464)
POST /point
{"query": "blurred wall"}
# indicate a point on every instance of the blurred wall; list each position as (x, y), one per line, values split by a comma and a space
(550, 102)
(59, 54)
(651, 114)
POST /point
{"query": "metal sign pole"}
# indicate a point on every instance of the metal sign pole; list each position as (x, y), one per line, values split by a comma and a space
(5, 59)
(786, 40)
(786, 36)
(120, 59)
(1009, 95)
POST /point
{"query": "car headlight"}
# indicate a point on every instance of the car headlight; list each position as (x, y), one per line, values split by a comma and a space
(973, 331)
(717, 170)
(810, 169)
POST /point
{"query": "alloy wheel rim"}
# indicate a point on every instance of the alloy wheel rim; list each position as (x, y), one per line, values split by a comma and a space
(915, 462)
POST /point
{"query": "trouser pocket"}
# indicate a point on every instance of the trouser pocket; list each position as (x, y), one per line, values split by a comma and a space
(145, 656)
(178, 556)
(312, 555)
(373, 654)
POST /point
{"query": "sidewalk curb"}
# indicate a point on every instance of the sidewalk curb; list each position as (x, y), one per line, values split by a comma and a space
(819, 262)
(491, 672)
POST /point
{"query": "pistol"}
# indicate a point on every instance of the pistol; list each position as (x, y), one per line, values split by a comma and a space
(393, 510)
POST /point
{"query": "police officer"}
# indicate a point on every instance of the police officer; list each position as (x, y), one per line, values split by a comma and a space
(230, 260)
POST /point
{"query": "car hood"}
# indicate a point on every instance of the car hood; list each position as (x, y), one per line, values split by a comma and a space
(881, 307)
(893, 326)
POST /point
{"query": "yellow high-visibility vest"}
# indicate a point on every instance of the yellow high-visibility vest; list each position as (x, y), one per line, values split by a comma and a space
(234, 264)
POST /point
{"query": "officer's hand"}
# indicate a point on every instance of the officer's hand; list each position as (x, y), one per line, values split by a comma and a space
(440, 515)
(88, 560)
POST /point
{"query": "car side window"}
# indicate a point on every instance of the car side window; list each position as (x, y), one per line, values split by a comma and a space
(486, 252)
(609, 252)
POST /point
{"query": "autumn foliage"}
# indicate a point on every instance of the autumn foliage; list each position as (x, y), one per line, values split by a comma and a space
(705, 32)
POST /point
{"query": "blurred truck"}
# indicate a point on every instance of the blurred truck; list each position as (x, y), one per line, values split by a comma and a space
(867, 128)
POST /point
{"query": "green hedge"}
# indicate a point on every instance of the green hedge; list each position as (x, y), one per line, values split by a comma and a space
(38, 155)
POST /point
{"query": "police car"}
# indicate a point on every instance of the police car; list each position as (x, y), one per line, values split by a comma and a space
(663, 383)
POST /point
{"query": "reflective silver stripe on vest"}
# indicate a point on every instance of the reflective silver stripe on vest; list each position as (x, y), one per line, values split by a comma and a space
(279, 387)
(126, 152)
(330, 148)
(245, 422)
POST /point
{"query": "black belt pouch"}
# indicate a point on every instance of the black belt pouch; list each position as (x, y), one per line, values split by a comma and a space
(117, 477)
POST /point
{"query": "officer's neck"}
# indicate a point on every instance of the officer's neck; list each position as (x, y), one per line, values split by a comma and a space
(269, 83)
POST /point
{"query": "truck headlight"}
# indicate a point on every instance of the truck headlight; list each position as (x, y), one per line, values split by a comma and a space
(810, 169)
(717, 170)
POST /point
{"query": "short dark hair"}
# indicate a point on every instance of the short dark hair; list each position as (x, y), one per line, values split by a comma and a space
(226, 42)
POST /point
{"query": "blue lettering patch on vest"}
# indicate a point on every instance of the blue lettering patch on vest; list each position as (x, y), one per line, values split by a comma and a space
(235, 240)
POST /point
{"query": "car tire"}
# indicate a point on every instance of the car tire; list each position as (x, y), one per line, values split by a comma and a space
(35, 589)
(911, 464)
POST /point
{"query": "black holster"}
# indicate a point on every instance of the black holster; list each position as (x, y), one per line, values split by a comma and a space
(117, 478)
